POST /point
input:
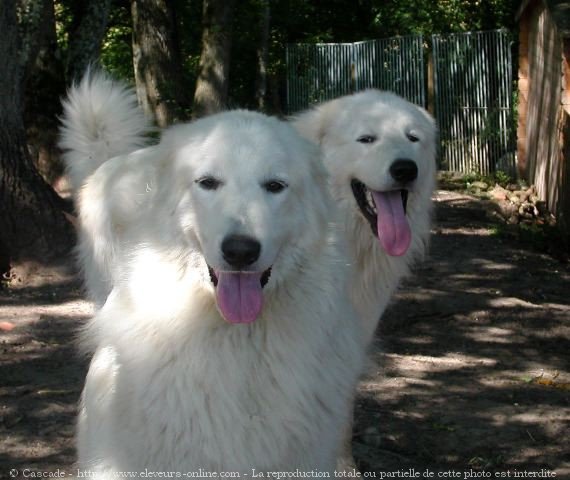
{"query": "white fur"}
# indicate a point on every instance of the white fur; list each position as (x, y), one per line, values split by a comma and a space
(172, 386)
(336, 126)
(101, 120)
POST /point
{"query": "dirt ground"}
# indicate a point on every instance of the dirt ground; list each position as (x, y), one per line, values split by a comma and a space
(470, 373)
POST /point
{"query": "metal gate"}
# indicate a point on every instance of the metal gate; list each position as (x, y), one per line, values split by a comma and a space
(319, 72)
(473, 93)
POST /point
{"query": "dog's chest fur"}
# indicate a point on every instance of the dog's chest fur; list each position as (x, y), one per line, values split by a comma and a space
(227, 397)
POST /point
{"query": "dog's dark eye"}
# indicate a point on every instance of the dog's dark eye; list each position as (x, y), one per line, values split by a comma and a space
(274, 186)
(412, 137)
(208, 183)
(366, 139)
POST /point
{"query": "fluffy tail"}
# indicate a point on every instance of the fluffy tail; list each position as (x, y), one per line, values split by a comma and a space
(101, 119)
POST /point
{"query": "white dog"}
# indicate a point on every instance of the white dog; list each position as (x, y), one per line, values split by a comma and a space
(228, 341)
(362, 136)
(380, 153)
(102, 121)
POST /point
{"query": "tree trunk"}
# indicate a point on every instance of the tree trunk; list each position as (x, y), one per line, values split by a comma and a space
(32, 226)
(87, 31)
(157, 64)
(30, 15)
(212, 85)
(44, 86)
(262, 53)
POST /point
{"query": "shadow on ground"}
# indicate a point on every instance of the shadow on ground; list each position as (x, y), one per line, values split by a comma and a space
(455, 376)
(470, 367)
(41, 377)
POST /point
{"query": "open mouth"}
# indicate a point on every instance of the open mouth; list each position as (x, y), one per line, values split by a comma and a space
(386, 214)
(262, 280)
(239, 295)
(365, 200)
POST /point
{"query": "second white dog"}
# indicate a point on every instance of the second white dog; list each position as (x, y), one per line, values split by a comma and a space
(379, 150)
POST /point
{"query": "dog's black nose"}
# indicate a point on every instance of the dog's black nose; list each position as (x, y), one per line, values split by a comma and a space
(404, 170)
(240, 251)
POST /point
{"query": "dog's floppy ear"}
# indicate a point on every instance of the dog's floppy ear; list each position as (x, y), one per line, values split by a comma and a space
(432, 130)
(428, 117)
(314, 123)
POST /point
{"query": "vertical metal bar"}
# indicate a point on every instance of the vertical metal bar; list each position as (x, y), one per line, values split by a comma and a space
(447, 68)
(300, 86)
(486, 54)
(485, 141)
(358, 66)
(486, 128)
(311, 85)
(507, 112)
(328, 63)
(501, 144)
(492, 124)
(319, 90)
(509, 104)
(500, 102)
(288, 69)
(316, 93)
(470, 98)
(399, 68)
(300, 77)
(461, 155)
(444, 91)
(355, 66)
(436, 111)
(338, 74)
(495, 107)
(404, 43)
(415, 81)
(488, 62)
(379, 64)
(308, 74)
(292, 73)
(330, 58)
(466, 125)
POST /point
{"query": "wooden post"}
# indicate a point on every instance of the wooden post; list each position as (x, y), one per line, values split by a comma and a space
(523, 90)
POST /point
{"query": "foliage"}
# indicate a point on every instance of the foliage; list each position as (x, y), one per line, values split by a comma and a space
(116, 51)
(291, 21)
(498, 177)
(502, 178)
(398, 17)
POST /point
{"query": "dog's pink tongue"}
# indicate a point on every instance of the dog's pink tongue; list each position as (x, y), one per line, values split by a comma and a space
(239, 296)
(393, 229)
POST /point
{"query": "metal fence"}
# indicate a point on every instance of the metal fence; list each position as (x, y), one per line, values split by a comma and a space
(316, 73)
(472, 88)
(473, 98)
(319, 72)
